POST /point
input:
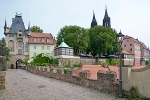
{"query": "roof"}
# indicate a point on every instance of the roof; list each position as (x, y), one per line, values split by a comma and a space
(126, 52)
(63, 44)
(37, 35)
(17, 25)
(48, 38)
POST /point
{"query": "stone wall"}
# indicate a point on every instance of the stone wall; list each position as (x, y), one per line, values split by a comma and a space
(106, 81)
(138, 78)
(71, 61)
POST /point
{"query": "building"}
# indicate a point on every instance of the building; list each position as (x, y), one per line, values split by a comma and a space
(106, 20)
(94, 22)
(137, 48)
(41, 43)
(19, 41)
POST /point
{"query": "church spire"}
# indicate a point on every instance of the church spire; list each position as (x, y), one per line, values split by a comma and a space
(106, 20)
(29, 26)
(5, 26)
(94, 22)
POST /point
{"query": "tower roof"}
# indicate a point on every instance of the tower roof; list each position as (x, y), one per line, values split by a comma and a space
(5, 26)
(17, 25)
(106, 20)
(63, 44)
(94, 22)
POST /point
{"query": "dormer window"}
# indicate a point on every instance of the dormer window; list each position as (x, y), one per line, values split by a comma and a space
(34, 39)
(47, 40)
(19, 34)
(42, 40)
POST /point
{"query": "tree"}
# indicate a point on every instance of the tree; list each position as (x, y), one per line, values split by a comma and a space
(36, 29)
(74, 36)
(7, 49)
(102, 41)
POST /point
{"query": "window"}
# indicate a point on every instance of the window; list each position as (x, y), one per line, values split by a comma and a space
(130, 44)
(42, 47)
(42, 54)
(26, 44)
(124, 45)
(48, 47)
(12, 35)
(34, 54)
(34, 39)
(63, 51)
(47, 40)
(127, 40)
(11, 45)
(48, 54)
(20, 44)
(42, 40)
(9, 35)
(130, 49)
(34, 47)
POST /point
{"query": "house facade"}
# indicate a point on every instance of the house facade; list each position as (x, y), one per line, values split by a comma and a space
(21, 41)
(41, 43)
(137, 48)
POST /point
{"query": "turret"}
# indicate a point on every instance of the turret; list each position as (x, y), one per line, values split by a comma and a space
(94, 22)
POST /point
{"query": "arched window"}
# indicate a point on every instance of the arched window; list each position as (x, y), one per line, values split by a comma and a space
(11, 45)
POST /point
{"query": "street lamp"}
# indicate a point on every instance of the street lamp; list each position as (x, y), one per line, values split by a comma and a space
(120, 40)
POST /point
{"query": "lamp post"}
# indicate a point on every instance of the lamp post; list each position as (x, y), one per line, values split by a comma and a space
(120, 40)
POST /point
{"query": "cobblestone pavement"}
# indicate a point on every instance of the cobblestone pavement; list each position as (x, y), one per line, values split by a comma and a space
(23, 85)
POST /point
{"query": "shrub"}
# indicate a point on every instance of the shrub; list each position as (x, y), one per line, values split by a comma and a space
(112, 61)
(68, 66)
(99, 62)
(77, 65)
(147, 62)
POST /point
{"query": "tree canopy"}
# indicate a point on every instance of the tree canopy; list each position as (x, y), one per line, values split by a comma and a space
(36, 29)
(102, 41)
(74, 36)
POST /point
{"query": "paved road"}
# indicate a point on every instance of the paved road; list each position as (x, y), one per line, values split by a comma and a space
(23, 85)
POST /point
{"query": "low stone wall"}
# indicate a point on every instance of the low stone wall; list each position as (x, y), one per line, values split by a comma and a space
(2, 80)
(106, 81)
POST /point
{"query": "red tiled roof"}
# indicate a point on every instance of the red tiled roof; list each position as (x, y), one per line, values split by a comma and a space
(126, 52)
(39, 37)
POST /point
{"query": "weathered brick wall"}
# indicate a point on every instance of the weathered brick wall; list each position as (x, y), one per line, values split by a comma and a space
(107, 80)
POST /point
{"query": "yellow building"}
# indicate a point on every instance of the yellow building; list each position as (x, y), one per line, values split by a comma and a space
(41, 43)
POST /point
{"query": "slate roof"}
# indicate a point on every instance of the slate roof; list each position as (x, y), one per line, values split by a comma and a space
(17, 25)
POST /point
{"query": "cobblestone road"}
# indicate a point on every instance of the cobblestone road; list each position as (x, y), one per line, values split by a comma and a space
(23, 85)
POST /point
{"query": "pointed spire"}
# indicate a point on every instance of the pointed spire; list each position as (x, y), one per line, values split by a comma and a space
(106, 14)
(5, 26)
(29, 26)
(94, 22)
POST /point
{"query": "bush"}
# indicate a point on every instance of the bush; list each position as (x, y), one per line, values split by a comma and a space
(77, 65)
(148, 62)
(112, 61)
(99, 62)
(68, 66)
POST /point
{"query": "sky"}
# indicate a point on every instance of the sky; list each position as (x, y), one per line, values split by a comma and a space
(131, 16)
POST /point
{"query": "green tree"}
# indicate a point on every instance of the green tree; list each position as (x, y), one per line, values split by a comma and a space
(36, 29)
(40, 60)
(26, 59)
(102, 41)
(74, 36)
(7, 49)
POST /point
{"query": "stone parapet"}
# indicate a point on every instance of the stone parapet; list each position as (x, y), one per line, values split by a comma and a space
(2, 80)
(107, 80)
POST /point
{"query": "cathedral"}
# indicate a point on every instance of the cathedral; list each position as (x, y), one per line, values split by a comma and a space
(106, 20)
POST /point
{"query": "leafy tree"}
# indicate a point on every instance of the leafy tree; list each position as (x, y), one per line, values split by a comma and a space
(7, 49)
(40, 60)
(36, 29)
(26, 59)
(74, 36)
(102, 41)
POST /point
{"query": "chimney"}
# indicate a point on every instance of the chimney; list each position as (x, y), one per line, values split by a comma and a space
(12, 20)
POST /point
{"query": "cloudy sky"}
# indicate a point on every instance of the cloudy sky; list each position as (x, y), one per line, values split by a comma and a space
(131, 16)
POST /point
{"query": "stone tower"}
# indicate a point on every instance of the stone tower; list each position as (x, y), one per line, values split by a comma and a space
(106, 20)
(94, 22)
(16, 38)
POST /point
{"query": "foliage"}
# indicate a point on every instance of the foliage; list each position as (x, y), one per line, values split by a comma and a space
(133, 94)
(7, 49)
(65, 71)
(40, 60)
(36, 29)
(74, 36)
(99, 62)
(102, 41)
(148, 62)
(68, 66)
(77, 65)
(112, 61)
(25, 61)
